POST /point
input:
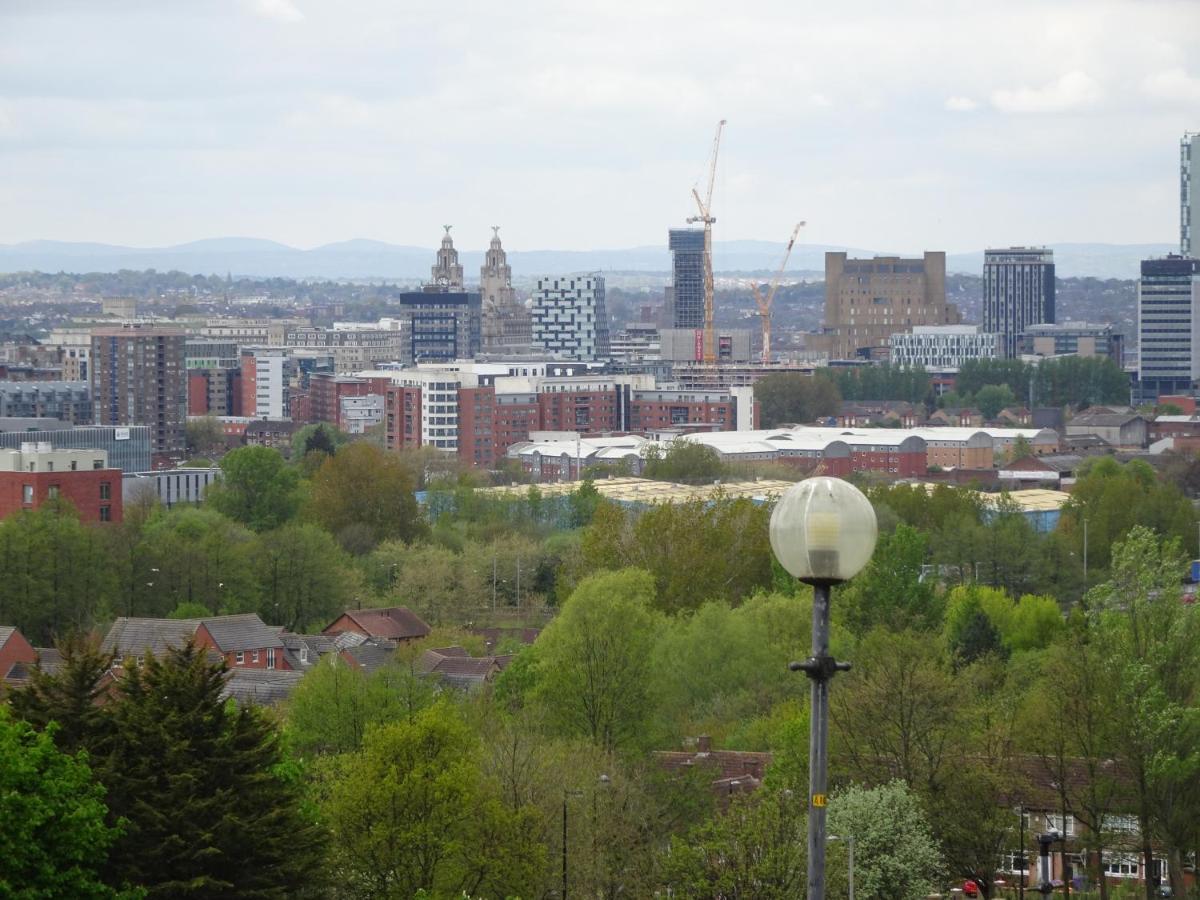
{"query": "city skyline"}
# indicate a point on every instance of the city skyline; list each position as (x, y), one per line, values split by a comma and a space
(314, 125)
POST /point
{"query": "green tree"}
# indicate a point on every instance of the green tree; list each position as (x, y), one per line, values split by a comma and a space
(594, 659)
(896, 855)
(70, 696)
(257, 488)
(305, 578)
(757, 848)
(53, 835)
(890, 591)
(789, 397)
(683, 461)
(199, 783)
(992, 398)
(335, 704)
(363, 495)
(412, 812)
(204, 436)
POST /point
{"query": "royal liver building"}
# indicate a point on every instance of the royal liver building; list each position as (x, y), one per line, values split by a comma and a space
(506, 323)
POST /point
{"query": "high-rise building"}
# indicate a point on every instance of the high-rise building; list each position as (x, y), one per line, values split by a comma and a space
(266, 382)
(1189, 194)
(447, 272)
(869, 300)
(1168, 326)
(441, 325)
(570, 318)
(1074, 339)
(685, 296)
(507, 327)
(138, 378)
(1018, 291)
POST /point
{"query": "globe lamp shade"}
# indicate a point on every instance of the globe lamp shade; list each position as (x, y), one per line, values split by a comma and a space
(823, 530)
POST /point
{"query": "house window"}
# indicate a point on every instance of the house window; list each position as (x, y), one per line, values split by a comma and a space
(254, 656)
(1122, 824)
(106, 514)
(1013, 862)
(97, 464)
(303, 654)
(105, 490)
(270, 657)
(240, 658)
(27, 493)
(52, 491)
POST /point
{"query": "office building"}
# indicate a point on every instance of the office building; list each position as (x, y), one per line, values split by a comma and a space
(1189, 194)
(507, 327)
(352, 349)
(869, 300)
(211, 353)
(138, 378)
(1168, 326)
(266, 382)
(67, 401)
(570, 318)
(685, 296)
(942, 346)
(34, 473)
(169, 486)
(1018, 291)
(1074, 339)
(125, 447)
(442, 325)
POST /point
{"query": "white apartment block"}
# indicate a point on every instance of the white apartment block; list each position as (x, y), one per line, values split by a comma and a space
(270, 367)
(943, 346)
(570, 318)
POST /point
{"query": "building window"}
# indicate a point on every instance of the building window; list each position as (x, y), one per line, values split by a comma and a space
(270, 657)
(52, 491)
(27, 494)
(1055, 823)
(105, 490)
(240, 658)
(106, 514)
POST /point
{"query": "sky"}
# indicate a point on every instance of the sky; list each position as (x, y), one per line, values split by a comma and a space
(900, 125)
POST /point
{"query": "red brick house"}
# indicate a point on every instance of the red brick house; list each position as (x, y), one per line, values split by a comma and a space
(36, 474)
(243, 641)
(393, 623)
(15, 651)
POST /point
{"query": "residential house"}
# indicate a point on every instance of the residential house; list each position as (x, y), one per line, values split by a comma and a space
(394, 623)
(1014, 417)
(260, 687)
(243, 641)
(16, 652)
(455, 667)
(728, 772)
(957, 416)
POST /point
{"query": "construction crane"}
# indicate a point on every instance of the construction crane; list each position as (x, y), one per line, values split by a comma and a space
(764, 301)
(706, 218)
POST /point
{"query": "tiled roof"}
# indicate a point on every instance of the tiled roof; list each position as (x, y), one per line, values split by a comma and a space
(6, 631)
(393, 622)
(242, 632)
(261, 687)
(135, 637)
(727, 764)
(371, 654)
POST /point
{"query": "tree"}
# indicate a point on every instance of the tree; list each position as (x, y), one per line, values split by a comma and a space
(362, 489)
(890, 591)
(209, 813)
(757, 848)
(683, 461)
(204, 436)
(53, 835)
(305, 578)
(257, 488)
(992, 398)
(789, 397)
(896, 855)
(412, 812)
(594, 659)
(70, 696)
(335, 704)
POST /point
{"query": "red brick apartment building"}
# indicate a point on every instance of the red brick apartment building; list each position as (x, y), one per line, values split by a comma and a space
(36, 474)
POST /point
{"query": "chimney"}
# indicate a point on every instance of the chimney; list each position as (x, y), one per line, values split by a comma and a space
(704, 744)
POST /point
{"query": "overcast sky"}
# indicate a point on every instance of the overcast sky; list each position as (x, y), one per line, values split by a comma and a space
(895, 125)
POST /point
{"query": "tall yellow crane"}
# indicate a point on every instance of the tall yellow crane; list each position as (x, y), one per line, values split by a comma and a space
(764, 301)
(706, 217)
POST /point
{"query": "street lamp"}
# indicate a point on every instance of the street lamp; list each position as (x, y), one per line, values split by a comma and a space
(603, 781)
(823, 532)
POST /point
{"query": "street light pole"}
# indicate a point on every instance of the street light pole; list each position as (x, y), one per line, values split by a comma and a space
(823, 531)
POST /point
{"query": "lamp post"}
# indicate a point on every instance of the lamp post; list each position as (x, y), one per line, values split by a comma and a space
(823, 532)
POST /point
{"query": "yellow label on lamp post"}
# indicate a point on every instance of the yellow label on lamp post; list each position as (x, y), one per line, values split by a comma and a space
(818, 799)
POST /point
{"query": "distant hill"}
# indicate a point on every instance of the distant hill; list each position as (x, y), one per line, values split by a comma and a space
(362, 258)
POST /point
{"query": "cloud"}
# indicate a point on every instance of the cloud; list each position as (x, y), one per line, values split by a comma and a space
(276, 10)
(961, 104)
(1172, 86)
(1074, 90)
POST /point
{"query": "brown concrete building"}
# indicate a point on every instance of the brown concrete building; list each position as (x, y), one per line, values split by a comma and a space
(138, 378)
(869, 300)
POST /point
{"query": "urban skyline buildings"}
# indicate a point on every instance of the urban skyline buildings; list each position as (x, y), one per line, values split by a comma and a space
(1018, 291)
(685, 296)
(1168, 325)
(139, 378)
(1189, 194)
(570, 317)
